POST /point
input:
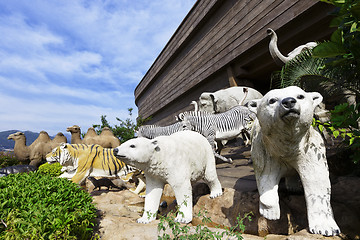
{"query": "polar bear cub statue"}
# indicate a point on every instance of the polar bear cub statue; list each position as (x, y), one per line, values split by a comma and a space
(179, 159)
(283, 143)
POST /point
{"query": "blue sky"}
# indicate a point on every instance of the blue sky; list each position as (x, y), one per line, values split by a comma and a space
(69, 62)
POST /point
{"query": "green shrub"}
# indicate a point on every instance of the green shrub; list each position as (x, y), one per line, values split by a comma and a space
(53, 170)
(8, 159)
(37, 206)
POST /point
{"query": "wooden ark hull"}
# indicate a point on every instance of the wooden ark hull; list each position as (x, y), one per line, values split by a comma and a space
(222, 41)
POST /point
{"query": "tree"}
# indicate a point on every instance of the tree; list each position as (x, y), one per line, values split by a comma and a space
(126, 128)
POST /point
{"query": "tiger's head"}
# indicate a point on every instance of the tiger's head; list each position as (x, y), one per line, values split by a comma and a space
(62, 155)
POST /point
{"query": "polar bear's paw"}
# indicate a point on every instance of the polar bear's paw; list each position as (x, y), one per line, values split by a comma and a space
(182, 219)
(143, 220)
(146, 219)
(215, 194)
(326, 228)
(270, 212)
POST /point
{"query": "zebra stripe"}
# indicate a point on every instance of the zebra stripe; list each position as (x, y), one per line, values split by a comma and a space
(222, 126)
(153, 131)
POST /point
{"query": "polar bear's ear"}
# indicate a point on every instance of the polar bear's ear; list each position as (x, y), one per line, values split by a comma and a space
(156, 146)
(253, 105)
(316, 97)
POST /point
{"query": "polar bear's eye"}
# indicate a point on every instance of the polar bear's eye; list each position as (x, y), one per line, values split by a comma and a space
(300, 96)
(132, 146)
(272, 100)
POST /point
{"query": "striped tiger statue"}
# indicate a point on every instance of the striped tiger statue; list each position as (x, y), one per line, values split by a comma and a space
(79, 161)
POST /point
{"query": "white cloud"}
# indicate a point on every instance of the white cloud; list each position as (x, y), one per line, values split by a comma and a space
(53, 117)
(72, 60)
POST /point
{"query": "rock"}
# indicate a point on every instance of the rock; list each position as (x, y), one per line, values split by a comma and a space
(225, 210)
(345, 196)
(119, 209)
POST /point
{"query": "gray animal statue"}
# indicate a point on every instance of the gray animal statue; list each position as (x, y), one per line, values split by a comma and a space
(276, 54)
(225, 99)
(16, 169)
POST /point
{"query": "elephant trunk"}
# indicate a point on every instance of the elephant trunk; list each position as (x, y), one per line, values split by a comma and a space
(274, 50)
(196, 108)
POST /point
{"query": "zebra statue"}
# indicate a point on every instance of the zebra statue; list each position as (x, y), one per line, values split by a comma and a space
(218, 128)
(153, 131)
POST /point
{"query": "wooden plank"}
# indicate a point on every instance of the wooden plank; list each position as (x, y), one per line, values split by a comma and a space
(209, 40)
(204, 49)
(237, 49)
(179, 37)
(256, 14)
(231, 76)
(214, 64)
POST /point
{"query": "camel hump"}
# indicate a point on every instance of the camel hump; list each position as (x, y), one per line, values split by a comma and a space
(106, 132)
(43, 137)
(90, 133)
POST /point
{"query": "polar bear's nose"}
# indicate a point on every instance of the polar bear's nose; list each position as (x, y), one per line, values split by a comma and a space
(288, 102)
(115, 151)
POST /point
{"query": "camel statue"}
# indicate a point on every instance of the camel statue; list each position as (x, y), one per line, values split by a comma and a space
(37, 151)
(276, 54)
(21, 151)
(75, 134)
(106, 139)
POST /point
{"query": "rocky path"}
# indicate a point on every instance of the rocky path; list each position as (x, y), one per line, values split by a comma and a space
(118, 210)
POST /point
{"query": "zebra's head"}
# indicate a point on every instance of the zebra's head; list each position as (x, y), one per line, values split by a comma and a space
(186, 124)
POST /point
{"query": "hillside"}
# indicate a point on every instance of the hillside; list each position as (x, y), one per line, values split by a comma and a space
(30, 138)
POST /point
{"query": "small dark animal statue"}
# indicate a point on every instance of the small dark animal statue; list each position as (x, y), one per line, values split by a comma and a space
(16, 169)
(98, 183)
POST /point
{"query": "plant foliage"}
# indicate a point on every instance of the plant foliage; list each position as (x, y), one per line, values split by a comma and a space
(342, 52)
(126, 128)
(53, 170)
(344, 124)
(333, 68)
(184, 232)
(36, 206)
(8, 159)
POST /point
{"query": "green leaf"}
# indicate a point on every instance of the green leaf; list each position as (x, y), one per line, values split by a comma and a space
(335, 22)
(355, 10)
(353, 27)
(328, 50)
(336, 133)
(334, 2)
(336, 37)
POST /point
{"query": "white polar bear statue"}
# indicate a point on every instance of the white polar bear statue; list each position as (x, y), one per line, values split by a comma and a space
(178, 160)
(283, 140)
